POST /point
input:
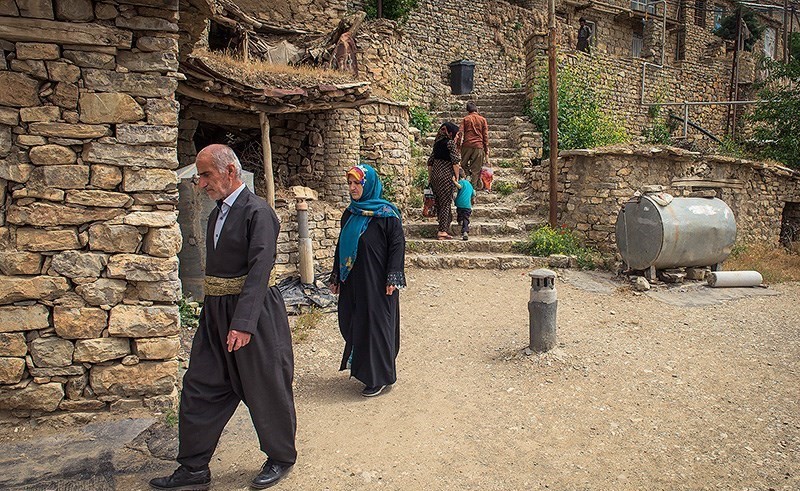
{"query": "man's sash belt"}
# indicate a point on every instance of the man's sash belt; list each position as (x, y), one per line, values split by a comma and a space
(217, 286)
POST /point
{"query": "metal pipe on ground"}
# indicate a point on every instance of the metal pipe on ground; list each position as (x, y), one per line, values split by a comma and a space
(305, 247)
(728, 279)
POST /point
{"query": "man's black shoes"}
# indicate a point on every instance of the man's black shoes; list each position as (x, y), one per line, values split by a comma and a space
(270, 474)
(183, 480)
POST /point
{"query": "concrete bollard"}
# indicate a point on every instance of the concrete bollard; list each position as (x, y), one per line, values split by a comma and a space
(542, 310)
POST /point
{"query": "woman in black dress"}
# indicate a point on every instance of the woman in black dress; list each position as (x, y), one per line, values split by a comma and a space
(443, 165)
(368, 270)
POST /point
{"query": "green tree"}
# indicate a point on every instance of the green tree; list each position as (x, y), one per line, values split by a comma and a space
(776, 121)
(392, 9)
(581, 122)
(727, 28)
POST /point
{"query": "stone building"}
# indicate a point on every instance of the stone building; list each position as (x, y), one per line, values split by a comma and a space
(88, 134)
(100, 103)
(641, 55)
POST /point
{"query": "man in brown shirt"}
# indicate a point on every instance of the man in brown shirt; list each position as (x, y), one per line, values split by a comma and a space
(474, 139)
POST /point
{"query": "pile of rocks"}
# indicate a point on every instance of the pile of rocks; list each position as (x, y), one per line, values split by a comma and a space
(88, 233)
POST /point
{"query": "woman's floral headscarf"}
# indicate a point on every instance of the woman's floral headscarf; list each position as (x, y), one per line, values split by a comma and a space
(370, 204)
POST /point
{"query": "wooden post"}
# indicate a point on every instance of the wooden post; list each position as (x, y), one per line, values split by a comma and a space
(786, 31)
(246, 47)
(380, 9)
(269, 177)
(553, 89)
(730, 124)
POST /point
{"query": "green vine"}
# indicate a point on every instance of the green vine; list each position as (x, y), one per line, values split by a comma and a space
(581, 121)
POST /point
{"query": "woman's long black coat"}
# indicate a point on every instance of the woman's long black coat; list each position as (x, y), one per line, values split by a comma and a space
(369, 320)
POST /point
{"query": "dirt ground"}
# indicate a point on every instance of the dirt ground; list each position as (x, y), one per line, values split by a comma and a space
(641, 393)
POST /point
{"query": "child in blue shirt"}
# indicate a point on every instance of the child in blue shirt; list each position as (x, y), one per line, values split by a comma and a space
(464, 199)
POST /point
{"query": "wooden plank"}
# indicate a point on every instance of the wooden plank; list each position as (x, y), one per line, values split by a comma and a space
(245, 105)
(222, 117)
(699, 182)
(48, 31)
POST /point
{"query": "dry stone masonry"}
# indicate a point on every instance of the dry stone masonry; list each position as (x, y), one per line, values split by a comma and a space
(594, 184)
(88, 232)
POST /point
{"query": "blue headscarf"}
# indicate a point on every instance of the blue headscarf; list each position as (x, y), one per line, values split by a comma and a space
(371, 204)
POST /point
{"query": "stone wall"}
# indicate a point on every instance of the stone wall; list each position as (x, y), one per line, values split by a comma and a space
(386, 145)
(410, 61)
(323, 227)
(313, 16)
(88, 233)
(594, 184)
(619, 83)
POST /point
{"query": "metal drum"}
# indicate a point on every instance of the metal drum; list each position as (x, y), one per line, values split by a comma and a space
(685, 232)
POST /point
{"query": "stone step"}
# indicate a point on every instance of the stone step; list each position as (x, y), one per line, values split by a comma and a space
(474, 261)
(483, 229)
(496, 212)
(482, 244)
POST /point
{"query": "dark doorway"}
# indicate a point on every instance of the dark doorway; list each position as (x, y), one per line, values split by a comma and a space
(790, 225)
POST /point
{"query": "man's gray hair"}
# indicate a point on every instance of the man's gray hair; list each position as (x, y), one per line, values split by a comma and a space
(222, 155)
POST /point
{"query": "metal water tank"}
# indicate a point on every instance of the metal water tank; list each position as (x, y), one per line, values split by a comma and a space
(683, 232)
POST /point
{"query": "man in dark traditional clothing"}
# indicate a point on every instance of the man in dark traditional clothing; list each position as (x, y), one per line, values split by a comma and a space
(242, 350)
(584, 35)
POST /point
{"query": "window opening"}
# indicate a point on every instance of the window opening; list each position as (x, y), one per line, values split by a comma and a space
(642, 6)
(219, 36)
(636, 45)
(700, 13)
(680, 46)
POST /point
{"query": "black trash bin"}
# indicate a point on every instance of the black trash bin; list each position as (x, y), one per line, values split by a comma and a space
(462, 74)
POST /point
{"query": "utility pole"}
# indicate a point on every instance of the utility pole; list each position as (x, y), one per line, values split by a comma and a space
(553, 99)
(786, 31)
(380, 9)
(730, 124)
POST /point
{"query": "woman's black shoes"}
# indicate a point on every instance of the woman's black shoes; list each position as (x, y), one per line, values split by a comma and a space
(372, 391)
(183, 480)
(270, 474)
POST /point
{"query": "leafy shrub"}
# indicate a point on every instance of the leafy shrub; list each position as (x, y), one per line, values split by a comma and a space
(581, 122)
(727, 28)
(416, 150)
(659, 131)
(546, 240)
(415, 199)
(420, 119)
(392, 9)
(420, 178)
(503, 188)
(189, 313)
(776, 121)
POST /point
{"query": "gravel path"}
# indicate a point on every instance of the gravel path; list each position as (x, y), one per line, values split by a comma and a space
(639, 394)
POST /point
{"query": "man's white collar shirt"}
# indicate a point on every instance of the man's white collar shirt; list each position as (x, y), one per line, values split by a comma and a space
(223, 212)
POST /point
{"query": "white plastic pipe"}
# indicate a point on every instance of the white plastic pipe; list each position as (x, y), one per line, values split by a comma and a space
(722, 279)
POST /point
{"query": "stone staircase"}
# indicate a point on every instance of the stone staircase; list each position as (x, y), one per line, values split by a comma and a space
(497, 223)
(498, 109)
